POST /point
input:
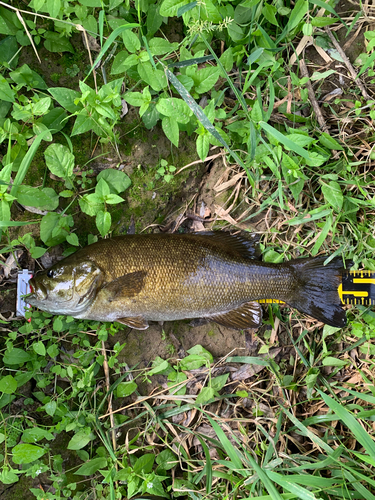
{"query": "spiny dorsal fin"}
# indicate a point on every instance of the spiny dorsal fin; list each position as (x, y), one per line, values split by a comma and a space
(248, 315)
(234, 243)
(127, 286)
(137, 322)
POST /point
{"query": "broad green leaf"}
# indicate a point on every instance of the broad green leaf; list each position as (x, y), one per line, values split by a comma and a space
(102, 188)
(269, 12)
(299, 11)
(135, 98)
(16, 356)
(39, 348)
(159, 46)
(329, 142)
(322, 21)
(131, 41)
(91, 466)
(117, 181)
(235, 32)
(90, 204)
(300, 139)
(50, 408)
(205, 395)
(155, 78)
(36, 434)
(72, 238)
(154, 19)
(24, 75)
(203, 145)
(59, 160)
(6, 92)
(144, 463)
(8, 476)
(333, 195)
(166, 459)
(175, 108)
(31, 197)
(37, 252)
(26, 453)
(113, 199)
(272, 256)
(53, 7)
(8, 384)
(103, 222)
(124, 389)
(79, 440)
(331, 361)
(170, 129)
(169, 8)
(56, 43)
(91, 3)
(48, 224)
(226, 60)
(206, 78)
(83, 124)
(256, 112)
(65, 97)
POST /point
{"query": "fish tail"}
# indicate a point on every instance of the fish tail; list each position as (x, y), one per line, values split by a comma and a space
(316, 293)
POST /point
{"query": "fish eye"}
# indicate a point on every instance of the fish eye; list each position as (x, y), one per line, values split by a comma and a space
(50, 274)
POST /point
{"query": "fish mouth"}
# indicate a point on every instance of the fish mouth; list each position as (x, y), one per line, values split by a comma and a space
(39, 292)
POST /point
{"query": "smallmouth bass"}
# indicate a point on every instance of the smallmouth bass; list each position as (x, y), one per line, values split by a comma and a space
(135, 279)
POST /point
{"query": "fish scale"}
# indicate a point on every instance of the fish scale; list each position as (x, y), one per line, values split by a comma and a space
(160, 277)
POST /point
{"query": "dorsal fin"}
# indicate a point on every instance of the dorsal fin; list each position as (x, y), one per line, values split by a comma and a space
(235, 244)
(248, 315)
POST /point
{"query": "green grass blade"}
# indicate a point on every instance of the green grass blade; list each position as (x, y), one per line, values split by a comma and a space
(282, 481)
(208, 465)
(199, 113)
(112, 37)
(4, 223)
(250, 360)
(235, 458)
(306, 432)
(25, 163)
(358, 486)
(284, 140)
(351, 422)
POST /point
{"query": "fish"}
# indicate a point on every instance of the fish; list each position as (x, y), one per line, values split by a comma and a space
(135, 279)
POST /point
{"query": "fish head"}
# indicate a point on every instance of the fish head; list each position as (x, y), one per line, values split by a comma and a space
(66, 288)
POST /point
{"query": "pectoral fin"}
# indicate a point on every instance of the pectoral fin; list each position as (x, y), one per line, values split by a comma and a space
(125, 286)
(248, 315)
(137, 322)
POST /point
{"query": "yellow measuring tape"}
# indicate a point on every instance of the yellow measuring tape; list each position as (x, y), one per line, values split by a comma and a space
(357, 288)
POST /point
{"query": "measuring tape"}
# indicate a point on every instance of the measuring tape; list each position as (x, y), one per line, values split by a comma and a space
(356, 288)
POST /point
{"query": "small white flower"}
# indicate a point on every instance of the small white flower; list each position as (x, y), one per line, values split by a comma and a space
(150, 485)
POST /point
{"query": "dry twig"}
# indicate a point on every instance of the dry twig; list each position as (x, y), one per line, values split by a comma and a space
(347, 63)
(314, 102)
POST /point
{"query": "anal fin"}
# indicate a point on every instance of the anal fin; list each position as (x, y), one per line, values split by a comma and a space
(136, 322)
(248, 315)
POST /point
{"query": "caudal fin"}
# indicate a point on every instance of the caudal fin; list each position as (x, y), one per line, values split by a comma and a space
(316, 292)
